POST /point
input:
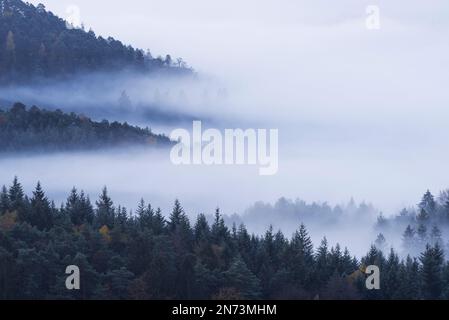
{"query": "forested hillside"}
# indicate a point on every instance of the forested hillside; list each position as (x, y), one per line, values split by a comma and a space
(145, 256)
(36, 43)
(41, 130)
(428, 223)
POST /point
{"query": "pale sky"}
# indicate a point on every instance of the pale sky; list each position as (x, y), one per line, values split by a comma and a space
(375, 101)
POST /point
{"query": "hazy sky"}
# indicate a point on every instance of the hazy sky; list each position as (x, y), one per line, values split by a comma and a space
(361, 112)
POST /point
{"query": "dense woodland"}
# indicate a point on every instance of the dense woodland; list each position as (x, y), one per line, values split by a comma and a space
(428, 224)
(35, 129)
(36, 43)
(142, 255)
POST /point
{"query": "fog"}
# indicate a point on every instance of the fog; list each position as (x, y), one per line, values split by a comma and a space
(361, 113)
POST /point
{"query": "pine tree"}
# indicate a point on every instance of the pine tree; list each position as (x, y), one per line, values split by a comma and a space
(179, 227)
(422, 236)
(145, 215)
(122, 216)
(428, 203)
(242, 279)
(219, 230)
(72, 207)
(408, 240)
(40, 212)
(435, 237)
(86, 208)
(159, 223)
(381, 242)
(16, 195)
(206, 281)
(445, 293)
(423, 217)
(201, 229)
(177, 216)
(105, 210)
(301, 257)
(432, 260)
(391, 278)
(410, 280)
(323, 269)
(4, 201)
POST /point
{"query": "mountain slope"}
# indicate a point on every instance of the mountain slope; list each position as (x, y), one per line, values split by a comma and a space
(36, 43)
(41, 130)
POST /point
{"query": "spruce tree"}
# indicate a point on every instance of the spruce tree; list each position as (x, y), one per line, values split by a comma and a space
(16, 195)
(201, 229)
(4, 201)
(391, 276)
(432, 260)
(423, 239)
(409, 280)
(105, 210)
(381, 242)
(220, 232)
(323, 268)
(408, 240)
(41, 214)
(436, 237)
(301, 257)
(428, 203)
(242, 279)
(72, 208)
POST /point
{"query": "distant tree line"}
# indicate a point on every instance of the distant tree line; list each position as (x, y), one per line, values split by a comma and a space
(35, 129)
(426, 224)
(143, 255)
(34, 43)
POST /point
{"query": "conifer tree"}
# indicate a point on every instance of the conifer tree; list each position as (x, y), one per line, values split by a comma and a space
(408, 240)
(40, 212)
(436, 237)
(381, 242)
(4, 201)
(16, 195)
(409, 279)
(201, 229)
(105, 210)
(428, 203)
(432, 260)
(242, 279)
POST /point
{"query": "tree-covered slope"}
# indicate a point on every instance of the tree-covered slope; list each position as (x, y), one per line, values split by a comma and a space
(36, 43)
(146, 256)
(42, 130)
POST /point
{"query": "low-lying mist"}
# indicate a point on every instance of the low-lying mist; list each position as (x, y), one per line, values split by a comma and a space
(360, 113)
(242, 195)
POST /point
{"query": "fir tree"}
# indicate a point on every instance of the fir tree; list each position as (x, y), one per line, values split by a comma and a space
(16, 195)
(4, 201)
(40, 214)
(243, 280)
(428, 203)
(381, 243)
(105, 210)
(432, 260)
(408, 240)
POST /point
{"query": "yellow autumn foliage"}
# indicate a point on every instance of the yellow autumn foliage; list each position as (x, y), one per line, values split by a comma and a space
(104, 231)
(8, 220)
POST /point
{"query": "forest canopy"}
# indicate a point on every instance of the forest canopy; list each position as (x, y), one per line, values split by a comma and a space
(35, 129)
(34, 43)
(144, 255)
